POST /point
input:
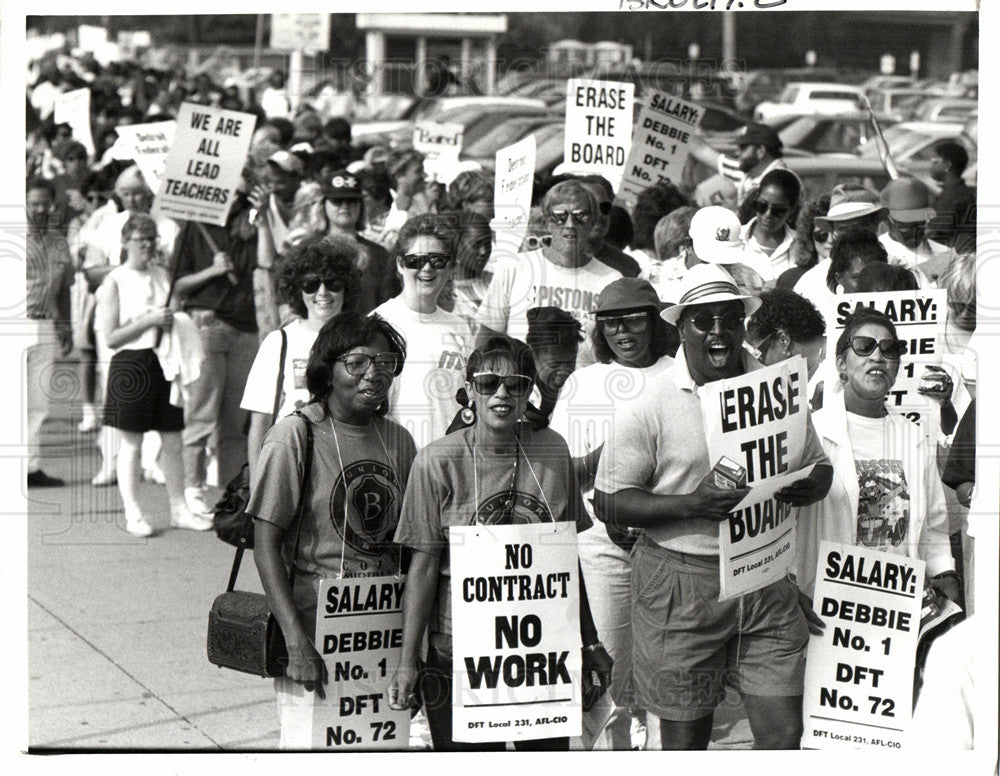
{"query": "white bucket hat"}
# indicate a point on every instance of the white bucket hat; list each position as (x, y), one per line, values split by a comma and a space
(707, 284)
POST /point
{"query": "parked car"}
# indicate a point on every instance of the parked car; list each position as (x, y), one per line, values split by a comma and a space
(830, 134)
(911, 144)
(946, 109)
(899, 103)
(811, 98)
(438, 109)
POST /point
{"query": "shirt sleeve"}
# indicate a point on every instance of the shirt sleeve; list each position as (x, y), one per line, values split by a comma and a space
(420, 520)
(629, 456)
(935, 544)
(277, 477)
(494, 311)
(812, 452)
(258, 395)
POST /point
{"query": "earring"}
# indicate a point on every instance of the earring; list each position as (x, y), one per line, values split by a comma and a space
(843, 377)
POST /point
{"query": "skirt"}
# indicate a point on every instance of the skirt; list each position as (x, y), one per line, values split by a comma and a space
(138, 395)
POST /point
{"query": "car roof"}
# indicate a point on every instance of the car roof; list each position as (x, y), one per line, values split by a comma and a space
(823, 86)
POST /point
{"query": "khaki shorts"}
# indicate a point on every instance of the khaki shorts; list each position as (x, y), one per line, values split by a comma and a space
(687, 645)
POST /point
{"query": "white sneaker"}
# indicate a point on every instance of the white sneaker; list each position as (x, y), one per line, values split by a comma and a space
(154, 475)
(104, 478)
(137, 525)
(184, 518)
(194, 498)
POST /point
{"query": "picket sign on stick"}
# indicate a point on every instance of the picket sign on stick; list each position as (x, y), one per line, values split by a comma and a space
(515, 177)
(148, 145)
(759, 422)
(598, 127)
(859, 671)
(359, 633)
(441, 145)
(73, 108)
(515, 602)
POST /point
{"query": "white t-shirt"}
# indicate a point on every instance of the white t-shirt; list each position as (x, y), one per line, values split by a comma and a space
(768, 265)
(812, 286)
(258, 396)
(884, 496)
(438, 344)
(533, 281)
(585, 412)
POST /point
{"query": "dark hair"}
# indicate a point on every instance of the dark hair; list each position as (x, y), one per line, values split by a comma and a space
(426, 225)
(36, 184)
(793, 314)
(500, 346)
(651, 205)
(338, 128)
(620, 231)
(132, 224)
(470, 186)
(376, 184)
(286, 129)
(785, 180)
(877, 276)
(471, 231)
(325, 256)
(954, 154)
(346, 330)
(859, 319)
(664, 341)
(853, 244)
(73, 148)
(552, 327)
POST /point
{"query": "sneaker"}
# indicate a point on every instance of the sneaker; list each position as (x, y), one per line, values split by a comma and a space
(137, 525)
(39, 479)
(91, 419)
(154, 475)
(104, 478)
(194, 498)
(185, 518)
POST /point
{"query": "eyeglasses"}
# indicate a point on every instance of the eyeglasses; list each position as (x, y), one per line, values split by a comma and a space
(604, 208)
(778, 211)
(634, 323)
(704, 321)
(560, 217)
(418, 260)
(821, 235)
(143, 238)
(488, 383)
(311, 285)
(891, 349)
(358, 363)
(907, 226)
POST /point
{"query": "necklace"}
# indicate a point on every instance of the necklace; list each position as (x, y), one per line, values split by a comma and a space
(508, 503)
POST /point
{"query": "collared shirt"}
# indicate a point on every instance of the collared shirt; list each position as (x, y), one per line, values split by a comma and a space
(929, 259)
(767, 264)
(48, 276)
(730, 169)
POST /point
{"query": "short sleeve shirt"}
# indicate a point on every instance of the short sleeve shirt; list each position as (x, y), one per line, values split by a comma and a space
(258, 396)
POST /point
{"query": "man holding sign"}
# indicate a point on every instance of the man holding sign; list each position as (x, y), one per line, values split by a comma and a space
(656, 474)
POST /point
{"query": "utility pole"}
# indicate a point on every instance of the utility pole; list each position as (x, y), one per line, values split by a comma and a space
(729, 39)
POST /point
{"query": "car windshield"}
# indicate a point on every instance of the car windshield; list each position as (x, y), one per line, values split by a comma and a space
(499, 137)
(902, 143)
(829, 95)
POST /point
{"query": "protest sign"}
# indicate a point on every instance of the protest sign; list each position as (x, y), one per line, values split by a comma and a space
(859, 672)
(757, 421)
(359, 633)
(598, 127)
(515, 177)
(90, 38)
(73, 108)
(515, 601)
(440, 144)
(919, 317)
(300, 31)
(661, 142)
(147, 145)
(203, 169)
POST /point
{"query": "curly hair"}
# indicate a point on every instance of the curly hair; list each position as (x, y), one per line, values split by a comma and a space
(325, 256)
(426, 225)
(470, 186)
(793, 314)
(344, 331)
(551, 327)
(849, 245)
(858, 319)
(877, 276)
(652, 204)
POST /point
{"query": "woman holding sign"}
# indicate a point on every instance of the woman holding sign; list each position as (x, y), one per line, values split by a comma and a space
(352, 494)
(886, 492)
(497, 471)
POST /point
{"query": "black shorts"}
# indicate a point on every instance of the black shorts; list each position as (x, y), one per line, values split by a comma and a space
(138, 396)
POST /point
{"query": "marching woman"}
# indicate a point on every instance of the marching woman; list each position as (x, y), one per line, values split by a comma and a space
(317, 280)
(632, 343)
(485, 473)
(131, 311)
(358, 457)
(886, 492)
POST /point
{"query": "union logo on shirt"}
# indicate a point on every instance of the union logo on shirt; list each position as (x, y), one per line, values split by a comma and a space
(525, 508)
(372, 496)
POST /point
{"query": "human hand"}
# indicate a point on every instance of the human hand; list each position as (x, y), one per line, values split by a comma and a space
(949, 588)
(222, 262)
(597, 665)
(402, 688)
(306, 667)
(797, 494)
(816, 625)
(936, 384)
(162, 317)
(258, 197)
(714, 503)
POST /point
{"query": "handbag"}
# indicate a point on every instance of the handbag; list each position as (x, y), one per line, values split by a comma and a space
(242, 632)
(232, 524)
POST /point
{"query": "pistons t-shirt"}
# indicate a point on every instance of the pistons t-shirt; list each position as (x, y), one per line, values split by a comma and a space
(883, 492)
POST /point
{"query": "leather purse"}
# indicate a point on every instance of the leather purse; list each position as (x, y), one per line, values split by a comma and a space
(232, 524)
(242, 632)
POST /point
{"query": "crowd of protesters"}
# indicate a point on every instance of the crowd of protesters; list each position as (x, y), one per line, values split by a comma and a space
(348, 293)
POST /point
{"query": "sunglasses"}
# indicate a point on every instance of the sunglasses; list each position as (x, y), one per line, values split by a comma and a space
(778, 211)
(358, 363)
(634, 323)
(821, 236)
(891, 349)
(604, 208)
(488, 383)
(560, 217)
(418, 260)
(704, 321)
(311, 285)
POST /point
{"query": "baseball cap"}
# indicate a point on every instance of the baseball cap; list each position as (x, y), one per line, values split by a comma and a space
(715, 234)
(759, 134)
(344, 185)
(287, 161)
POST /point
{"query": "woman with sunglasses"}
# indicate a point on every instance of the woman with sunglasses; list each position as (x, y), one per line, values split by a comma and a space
(786, 325)
(438, 342)
(359, 458)
(317, 280)
(767, 236)
(886, 492)
(563, 273)
(632, 344)
(497, 471)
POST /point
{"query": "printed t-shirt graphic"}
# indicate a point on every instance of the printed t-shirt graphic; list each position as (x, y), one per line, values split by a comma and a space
(372, 497)
(883, 503)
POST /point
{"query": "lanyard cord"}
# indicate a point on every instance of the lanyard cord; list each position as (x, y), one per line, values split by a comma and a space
(512, 498)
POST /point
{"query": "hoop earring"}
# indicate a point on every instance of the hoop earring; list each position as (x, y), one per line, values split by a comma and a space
(843, 377)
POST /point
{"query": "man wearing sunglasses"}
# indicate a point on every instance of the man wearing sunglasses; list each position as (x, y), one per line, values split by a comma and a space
(655, 474)
(759, 152)
(906, 242)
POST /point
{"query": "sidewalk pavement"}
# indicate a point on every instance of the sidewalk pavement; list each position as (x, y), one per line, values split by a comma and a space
(116, 625)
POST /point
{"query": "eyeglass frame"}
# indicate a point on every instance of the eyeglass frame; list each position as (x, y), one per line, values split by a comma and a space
(369, 361)
(504, 380)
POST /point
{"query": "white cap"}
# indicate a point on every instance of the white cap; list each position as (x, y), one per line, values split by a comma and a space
(715, 233)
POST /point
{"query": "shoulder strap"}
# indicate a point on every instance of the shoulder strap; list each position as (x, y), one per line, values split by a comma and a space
(281, 377)
(306, 476)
